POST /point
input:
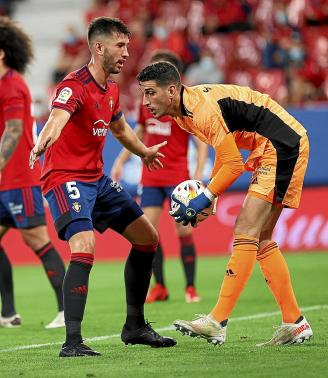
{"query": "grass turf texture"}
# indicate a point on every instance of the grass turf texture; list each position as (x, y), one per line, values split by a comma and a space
(105, 313)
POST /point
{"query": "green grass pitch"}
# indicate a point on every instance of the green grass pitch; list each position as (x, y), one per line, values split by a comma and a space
(105, 313)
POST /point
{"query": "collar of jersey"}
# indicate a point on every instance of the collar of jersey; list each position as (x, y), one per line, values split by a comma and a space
(104, 89)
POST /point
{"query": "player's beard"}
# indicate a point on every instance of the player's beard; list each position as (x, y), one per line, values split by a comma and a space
(108, 65)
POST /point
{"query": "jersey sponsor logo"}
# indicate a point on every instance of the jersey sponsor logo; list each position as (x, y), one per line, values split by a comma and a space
(64, 95)
(156, 127)
(100, 131)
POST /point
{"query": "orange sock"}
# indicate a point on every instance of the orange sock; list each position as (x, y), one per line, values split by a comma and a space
(238, 271)
(276, 274)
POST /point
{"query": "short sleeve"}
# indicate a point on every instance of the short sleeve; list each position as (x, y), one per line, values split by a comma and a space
(69, 96)
(13, 104)
(117, 112)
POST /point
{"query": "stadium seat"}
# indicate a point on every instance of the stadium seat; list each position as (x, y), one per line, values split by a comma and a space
(272, 82)
(247, 49)
(222, 47)
(316, 40)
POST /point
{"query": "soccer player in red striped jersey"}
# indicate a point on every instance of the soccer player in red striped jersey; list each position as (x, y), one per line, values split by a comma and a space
(81, 198)
(21, 202)
(157, 186)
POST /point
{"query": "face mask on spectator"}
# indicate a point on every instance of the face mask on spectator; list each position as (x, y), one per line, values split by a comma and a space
(296, 54)
(206, 63)
(70, 39)
(160, 32)
(281, 17)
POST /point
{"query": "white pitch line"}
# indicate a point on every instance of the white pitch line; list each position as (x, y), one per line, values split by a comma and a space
(168, 328)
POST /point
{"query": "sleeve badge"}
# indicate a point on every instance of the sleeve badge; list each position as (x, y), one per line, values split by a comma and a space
(64, 95)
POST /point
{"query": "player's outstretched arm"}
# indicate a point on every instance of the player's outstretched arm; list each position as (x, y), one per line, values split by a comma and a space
(49, 134)
(123, 157)
(149, 155)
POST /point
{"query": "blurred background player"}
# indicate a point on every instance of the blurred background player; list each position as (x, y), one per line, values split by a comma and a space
(157, 186)
(81, 198)
(21, 202)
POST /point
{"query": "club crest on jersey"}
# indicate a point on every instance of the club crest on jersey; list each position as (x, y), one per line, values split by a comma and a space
(111, 104)
(76, 206)
(64, 95)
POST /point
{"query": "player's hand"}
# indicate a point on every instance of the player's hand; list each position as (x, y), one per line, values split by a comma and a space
(116, 172)
(188, 214)
(36, 152)
(33, 158)
(151, 156)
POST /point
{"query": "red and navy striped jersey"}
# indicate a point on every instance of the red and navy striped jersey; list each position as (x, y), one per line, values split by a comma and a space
(157, 130)
(15, 103)
(77, 154)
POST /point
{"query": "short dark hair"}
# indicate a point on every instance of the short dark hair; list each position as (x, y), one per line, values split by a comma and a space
(105, 25)
(167, 56)
(16, 44)
(163, 73)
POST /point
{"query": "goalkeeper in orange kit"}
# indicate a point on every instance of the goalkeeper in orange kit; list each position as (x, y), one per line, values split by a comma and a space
(230, 118)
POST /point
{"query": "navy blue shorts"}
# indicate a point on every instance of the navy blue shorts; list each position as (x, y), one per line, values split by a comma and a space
(22, 208)
(155, 195)
(105, 203)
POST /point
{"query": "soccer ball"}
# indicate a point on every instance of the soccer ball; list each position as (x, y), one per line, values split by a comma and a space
(186, 191)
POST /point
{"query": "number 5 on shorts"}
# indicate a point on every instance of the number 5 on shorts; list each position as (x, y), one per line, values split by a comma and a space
(72, 190)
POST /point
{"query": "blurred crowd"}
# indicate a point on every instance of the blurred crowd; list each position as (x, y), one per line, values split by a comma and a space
(275, 46)
(7, 7)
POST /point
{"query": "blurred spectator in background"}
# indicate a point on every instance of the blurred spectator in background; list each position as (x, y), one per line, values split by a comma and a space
(101, 8)
(221, 17)
(296, 51)
(168, 39)
(316, 12)
(275, 52)
(74, 53)
(6, 7)
(279, 47)
(205, 70)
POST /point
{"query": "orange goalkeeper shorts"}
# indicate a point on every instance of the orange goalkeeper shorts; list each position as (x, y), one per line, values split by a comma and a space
(278, 177)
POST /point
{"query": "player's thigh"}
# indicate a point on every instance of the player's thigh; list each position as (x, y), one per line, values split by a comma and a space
(6, 220)
(71, 205)
(3, 231)
(153, 213)
(141, 231)
(253, 215)
(36, 237)
(114, 207)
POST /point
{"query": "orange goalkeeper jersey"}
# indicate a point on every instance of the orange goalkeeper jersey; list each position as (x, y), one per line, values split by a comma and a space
(230, 118)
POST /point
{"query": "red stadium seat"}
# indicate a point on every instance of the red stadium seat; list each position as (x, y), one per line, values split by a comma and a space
(244, 78)
(247, 49)
(272, 82)
(316, 40)
(222, 47)
(325, 84)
